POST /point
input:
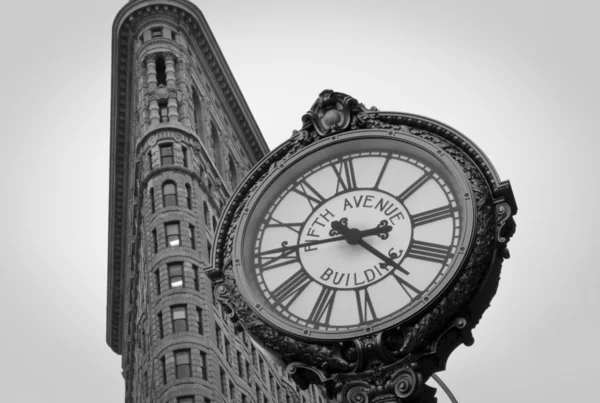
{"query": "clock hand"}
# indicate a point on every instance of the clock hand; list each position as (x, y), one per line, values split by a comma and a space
(354, 237)
(381, 256)
(286, 248)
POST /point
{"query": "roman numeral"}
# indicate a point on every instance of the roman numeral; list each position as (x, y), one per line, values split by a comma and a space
(282, 259)
(294, 226)
(291, 288)
(436, 214)
(432, 252)
(323, 306)
(366, 311)
(383, 168)
(313, 197)
(409, 191)
(410, 290)
(345, 175)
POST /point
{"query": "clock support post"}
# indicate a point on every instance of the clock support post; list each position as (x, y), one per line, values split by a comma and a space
(389, 361)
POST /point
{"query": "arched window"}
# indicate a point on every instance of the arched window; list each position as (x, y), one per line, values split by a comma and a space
(152, 205)
(206, 214)
(188, 195)
(169, 190)
(161, 71)
(214, 223)
(233, 175)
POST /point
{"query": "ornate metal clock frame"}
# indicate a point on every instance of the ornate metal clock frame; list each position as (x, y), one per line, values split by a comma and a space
(388, 364)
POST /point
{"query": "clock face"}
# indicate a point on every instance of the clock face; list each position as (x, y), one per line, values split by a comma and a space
(352, 236)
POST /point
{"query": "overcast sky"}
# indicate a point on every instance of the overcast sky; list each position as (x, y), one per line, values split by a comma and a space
(520, 78)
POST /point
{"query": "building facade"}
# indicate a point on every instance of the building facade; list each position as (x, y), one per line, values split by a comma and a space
(182, 137)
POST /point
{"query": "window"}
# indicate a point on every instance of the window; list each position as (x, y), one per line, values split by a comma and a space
(179, 318)
(150, 159)
(253, 355)
(185, 399)
(233, 176)
(227, 350)
(166, 154)
(152, 205)
(163, 363)
(161, 70)
(196, 279)
(244, 398)
(169, 190)
(197, 112)
(203, 365)
(175, 275)
(157, 281)
(240, 364)
(188, 195)
(192, 235)
(206, 400)
(173, 34)
(215, 145)
(219, 336)
(172, 230)
(247, 371)
(208, 247)
(155, 240)
(231, 391)
(262, 369)
(183, 365)
(214, 223)
(200, 322)
(163, 110)
(206, 215)
(184, 151)
(223, 382)
(156, 32)
(159, 319)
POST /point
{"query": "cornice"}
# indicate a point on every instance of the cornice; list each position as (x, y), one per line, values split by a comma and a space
(121, 91)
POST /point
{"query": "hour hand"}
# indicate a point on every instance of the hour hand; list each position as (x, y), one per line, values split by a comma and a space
(341, 227)
(381, 230)
(351, 235)
(354, 237)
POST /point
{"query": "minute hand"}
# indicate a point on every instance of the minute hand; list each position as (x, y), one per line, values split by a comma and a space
(381, 256)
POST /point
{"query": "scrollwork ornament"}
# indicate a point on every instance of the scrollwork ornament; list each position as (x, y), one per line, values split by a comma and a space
(404, 383)
(503, 213)
(355, 392)
(221, 296)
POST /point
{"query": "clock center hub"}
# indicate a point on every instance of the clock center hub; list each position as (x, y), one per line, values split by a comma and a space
(371, 231)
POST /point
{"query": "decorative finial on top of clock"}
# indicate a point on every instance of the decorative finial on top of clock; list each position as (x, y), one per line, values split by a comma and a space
(333, 112)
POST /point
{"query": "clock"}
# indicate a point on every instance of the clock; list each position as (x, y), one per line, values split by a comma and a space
(352, 235)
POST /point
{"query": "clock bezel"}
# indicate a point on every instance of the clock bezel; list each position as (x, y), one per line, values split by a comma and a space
(452, 172)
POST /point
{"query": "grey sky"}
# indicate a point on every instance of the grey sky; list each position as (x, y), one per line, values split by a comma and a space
(520, 78)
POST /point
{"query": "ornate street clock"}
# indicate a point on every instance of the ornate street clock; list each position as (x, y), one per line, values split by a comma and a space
(364, 249)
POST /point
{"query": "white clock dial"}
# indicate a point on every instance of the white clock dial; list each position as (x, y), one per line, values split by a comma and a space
(353, 240)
